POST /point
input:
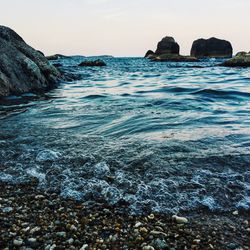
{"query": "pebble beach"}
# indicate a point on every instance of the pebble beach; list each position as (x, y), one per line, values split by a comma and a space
(39, 220)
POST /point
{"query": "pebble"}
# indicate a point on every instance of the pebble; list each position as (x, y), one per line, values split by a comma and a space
(18, 243)
(32, 240)
(148, 248)
(236, 212)
(61, 234)
(34, 230)
(180, 220)
(73, 228)
(151, 216)
(138, 224)
(70, 241)
(84, 247)
(143, 230)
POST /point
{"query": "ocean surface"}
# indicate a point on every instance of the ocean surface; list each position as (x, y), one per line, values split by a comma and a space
(162, 137)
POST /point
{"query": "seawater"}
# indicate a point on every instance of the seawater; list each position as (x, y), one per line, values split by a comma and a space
(163, 137)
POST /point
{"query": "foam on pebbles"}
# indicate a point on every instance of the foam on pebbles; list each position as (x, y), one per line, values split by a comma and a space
(56, 223)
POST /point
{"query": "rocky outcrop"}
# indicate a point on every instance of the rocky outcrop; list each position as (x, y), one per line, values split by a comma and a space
(22, 68)
(213, 48)
(242, 59)
(167, 46)
(168, 51)
(96, 63)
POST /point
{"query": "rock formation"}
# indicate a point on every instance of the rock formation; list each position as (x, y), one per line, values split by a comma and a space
(168, 51)
(242, 59)
(167, 46)
(213, 47)
(22, 68)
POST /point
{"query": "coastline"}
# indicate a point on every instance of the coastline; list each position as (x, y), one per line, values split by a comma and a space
(33, 219)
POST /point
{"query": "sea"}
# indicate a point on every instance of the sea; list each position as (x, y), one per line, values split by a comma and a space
(157, 136)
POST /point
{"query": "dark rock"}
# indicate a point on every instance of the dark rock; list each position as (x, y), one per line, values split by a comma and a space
(56, 57)
(167, 46)
(96, 63)
(174, 58)
(22, 68)
(242, 59)
(168, 51)
(213, 47)
(149, 54)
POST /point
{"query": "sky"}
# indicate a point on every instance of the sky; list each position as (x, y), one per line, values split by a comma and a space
(125, 27)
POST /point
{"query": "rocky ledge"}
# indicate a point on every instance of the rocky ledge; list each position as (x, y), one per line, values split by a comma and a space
(33, 219)
(242, 59)
(168, 51)
(22, 68)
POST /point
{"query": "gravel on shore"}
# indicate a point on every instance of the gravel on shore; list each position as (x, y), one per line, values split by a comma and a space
(32, 219)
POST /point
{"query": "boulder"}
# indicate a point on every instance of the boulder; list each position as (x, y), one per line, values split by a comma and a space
(213, 48)
(242, 59)
(96, 63)
(22, 68)
(168, 51)
(167, 46)
(149, 54)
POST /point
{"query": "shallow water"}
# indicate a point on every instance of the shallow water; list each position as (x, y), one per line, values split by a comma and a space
(159, 136)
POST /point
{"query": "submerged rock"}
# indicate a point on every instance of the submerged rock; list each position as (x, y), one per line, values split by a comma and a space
(96, 63)
(242, 59)
(213, 47)
(22, 68)
(167, 46)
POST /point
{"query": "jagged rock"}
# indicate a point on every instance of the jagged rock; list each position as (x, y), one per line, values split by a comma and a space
(242, 59)
(167, 46)
(96, 63)
(213, 47)
(22, 68)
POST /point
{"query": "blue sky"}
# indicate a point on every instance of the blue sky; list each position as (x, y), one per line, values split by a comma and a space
(125, 27)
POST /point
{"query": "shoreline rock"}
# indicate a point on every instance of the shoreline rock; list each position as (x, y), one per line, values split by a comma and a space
(22, 68)
(211, 48)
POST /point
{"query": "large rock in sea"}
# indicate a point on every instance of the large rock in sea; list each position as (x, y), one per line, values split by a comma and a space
(22, 68)
(212, 47)
(242, 59)
(168, 50)
(167, 46)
